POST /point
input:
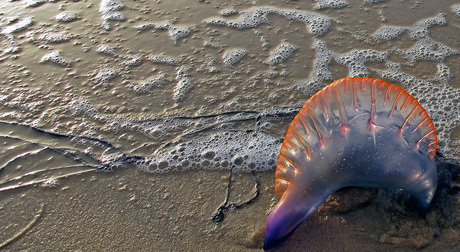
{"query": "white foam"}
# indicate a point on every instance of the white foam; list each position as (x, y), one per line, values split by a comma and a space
(55, 37)
(132, 61)
(232, 56)
(418, 31)
(162, 59)
(106, 50)
(425, 48)
(146, 86)
(82, 107)
(183, 84)
(228, 12)
(175, 32)
(66, 17)
(354, 61)
(388, 32)
(317, 24)
(375, 1)
(17, 26)
(455, 8)
(443, 75)
(333, 4)
(263, 38)
(110, 11)
(55, 57)
(105, 75)
(281, 53)
(239, 151)
(33, 3)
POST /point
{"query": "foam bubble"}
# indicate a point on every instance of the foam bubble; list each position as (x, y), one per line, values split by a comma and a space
(82, 107)
(228, 11)
(183, 84)
(281, 53)
(427, 49)
(66, 17)
(418, 31)
(388, 32)
(175, 32)
(375, 1)
(239, 151)
(110, 11)
(105, 75)
(55, 57)
(17, 26)
(443, 75)
(132, 61)
(146, 86)
(162, 59)
(333, 4)
(455, 8)
(317, 24)
(233, 56)
(55, 37)
(33, 3)
(263, 39)
(354, 60)
(106, 50)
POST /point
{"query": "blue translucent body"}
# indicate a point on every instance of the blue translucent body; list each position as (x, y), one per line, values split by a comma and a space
(354, 132)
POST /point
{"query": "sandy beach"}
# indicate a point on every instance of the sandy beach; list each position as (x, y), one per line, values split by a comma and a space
(126, 125)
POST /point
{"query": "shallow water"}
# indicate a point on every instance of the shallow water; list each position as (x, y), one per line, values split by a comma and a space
(170, 96)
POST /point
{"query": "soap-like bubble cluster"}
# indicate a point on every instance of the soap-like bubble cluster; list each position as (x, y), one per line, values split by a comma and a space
(375, 1)
(175, 32)
(183, 84)
(232, 56)
(55, 37)
(239, 151)
(146, 86)
(455, 8)
(17, 25)
(132, 61)
(444, 75)
(55, 57)
(66, 17)
(162, 59)
(388, 32)
(33, 3)
(82, 107)
(281, 53)
(228, 12)
(418, 31)
(354, 60)
(425, 48)
(317, 24)
(106, 50)
(105, 75)
(333, 4)
(110, 11)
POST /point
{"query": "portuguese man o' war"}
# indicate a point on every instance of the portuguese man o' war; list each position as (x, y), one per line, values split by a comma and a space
(354, 132)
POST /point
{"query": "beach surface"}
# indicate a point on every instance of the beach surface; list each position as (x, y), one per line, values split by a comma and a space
(156, 125)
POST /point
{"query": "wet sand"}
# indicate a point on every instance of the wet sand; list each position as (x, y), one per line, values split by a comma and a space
(128, 209)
